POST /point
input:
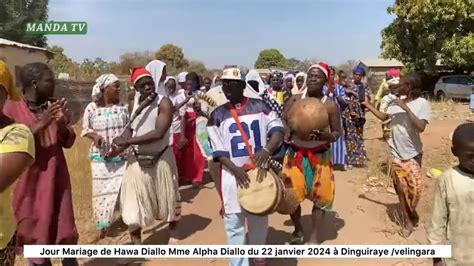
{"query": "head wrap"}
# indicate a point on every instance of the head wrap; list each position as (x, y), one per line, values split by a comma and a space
(393, 73)
(321, 66)
(253, 75)
(138, 73)
(156, 68)
(295, 89)
(290, 75)
(101, 83)
(182, 77)
(359, 70)
(6, 81)
(277, 74)
(168, 78)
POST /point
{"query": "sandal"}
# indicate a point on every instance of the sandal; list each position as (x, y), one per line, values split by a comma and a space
(297, 238)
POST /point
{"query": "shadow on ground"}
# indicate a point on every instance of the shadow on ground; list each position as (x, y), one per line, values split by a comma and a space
(188, 225)
(188, 192)
(332, 224)
(392, 209)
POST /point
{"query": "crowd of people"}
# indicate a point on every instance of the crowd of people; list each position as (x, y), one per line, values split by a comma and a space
(142, 152)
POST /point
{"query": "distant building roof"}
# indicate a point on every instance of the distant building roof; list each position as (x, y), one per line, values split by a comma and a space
(381, 63)
(5, 42)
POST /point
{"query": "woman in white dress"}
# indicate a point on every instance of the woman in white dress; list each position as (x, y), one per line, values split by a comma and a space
(105, 119)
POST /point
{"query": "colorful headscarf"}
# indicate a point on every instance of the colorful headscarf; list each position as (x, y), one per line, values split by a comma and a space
(101, 83)
(6, 81)
(393, 73)
(290, 75)
(359, 70)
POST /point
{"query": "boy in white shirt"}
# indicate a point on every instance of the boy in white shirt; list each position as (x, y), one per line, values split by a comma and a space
(452, 221)
(258, 121)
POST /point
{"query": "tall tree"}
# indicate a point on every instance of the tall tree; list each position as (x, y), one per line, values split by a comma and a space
(173, 56)
(14, 14)
(198, 67)
(129, 60)
(271, 58)
(60, 63)
(426, 31)
(294, 63)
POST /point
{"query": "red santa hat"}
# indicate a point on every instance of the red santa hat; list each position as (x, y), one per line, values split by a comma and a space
(138, 73)
(323, 67)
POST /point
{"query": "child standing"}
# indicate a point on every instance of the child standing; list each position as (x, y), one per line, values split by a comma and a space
(452, 220)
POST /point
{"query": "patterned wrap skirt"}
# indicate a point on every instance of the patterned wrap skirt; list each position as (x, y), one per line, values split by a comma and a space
(309, 172)
(407, 178)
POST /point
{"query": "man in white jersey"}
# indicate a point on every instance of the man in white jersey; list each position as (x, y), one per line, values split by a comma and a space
(257, 122)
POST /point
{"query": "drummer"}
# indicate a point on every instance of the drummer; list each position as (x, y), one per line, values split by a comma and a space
(234, 152)
(309, 170)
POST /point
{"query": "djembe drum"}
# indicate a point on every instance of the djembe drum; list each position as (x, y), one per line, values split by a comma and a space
(306, 116)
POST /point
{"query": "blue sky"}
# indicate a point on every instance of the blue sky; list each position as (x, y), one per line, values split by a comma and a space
(223, 32)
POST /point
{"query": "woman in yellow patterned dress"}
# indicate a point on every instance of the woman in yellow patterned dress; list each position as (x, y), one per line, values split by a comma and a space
(308, 168)
(17, 151)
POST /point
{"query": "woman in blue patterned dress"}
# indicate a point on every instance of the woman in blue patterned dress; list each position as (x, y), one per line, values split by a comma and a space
(337, 93)
(354, 121)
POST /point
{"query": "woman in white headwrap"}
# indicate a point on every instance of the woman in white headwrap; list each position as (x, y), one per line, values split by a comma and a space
(105, 119)
(299, 83)
(255, 86)
(157, 69)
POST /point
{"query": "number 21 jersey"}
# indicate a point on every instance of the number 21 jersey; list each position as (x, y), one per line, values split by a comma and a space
(258, 121)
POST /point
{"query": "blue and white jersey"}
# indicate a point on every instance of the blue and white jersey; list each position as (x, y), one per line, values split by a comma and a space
(258, 121)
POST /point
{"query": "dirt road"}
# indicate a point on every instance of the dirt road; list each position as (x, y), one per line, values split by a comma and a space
(361, 215)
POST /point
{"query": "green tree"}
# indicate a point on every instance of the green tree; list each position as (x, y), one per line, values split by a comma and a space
(60, 63)
(271, 58)
(15, 13)
(293, 63)
(129, 60)
(426, 31)
(198, 67)
(173, 56)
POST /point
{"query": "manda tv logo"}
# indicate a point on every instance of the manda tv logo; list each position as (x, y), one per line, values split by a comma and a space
(55, 27)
